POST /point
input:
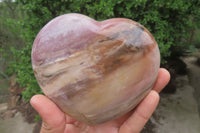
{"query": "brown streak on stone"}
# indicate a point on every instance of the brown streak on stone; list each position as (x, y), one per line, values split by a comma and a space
(123, 53)
(45, 79)
(69, 90)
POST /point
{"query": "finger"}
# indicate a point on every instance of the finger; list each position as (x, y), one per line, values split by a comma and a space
(70, 120)
(136, 122)
(71, 128)
(53, 118)
(162, 80)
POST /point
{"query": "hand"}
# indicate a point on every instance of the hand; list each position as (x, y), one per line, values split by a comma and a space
(55, 121)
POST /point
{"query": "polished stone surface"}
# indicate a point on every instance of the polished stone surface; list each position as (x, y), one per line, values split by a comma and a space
(95, 71)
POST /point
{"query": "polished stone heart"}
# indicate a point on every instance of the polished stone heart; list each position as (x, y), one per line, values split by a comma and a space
(95, 71)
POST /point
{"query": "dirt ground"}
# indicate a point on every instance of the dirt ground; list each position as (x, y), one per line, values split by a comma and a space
(16, 124)
(18, 119)
(13, 121)
(179, 112)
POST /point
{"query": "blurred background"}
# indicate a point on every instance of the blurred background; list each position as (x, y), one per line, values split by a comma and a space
(175, 25)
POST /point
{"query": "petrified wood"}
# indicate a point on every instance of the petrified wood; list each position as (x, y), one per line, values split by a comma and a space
(95, 71)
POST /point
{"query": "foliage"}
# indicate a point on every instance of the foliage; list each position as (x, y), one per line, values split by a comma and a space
(37, 118)
(9, 33)
(10, 27)
(170, 22)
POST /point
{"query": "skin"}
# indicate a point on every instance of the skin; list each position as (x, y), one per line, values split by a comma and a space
(55, 121)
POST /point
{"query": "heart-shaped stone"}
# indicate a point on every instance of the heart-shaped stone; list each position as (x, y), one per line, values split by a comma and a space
(95, 71)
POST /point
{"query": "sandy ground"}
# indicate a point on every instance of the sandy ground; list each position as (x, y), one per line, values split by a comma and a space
(15, 124)
(178, 113)
(194, 77)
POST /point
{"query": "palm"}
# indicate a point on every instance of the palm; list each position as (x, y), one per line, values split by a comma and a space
(108, 127)
(55, 121)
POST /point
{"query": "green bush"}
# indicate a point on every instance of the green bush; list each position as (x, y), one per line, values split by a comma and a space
(9, 34)
(169, 21)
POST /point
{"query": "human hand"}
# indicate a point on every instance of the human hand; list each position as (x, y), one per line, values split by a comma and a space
(55, 121)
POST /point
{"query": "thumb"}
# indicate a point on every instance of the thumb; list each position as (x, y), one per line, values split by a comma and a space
(53, 118)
